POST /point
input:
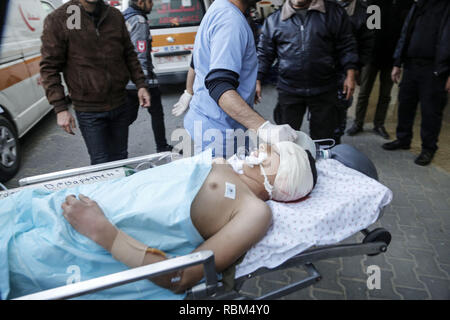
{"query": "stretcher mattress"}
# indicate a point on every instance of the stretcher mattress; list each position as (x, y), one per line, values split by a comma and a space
(343, 203)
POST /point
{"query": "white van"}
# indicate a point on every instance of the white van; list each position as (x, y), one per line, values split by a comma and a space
(22, 100)
(173, 25)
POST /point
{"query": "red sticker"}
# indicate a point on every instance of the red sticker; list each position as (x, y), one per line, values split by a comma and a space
(141, 46)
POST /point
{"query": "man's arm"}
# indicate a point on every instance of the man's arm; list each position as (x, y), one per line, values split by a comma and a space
(347, 51)
(346, 45)
(133, 64)
(190, 81)
(266, 50)
(139, 35)
(53, 51)
(233, 104)
(398, 53)
(443, 54)
(245, 229)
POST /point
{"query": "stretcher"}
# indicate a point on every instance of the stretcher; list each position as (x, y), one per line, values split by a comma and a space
(346, 200)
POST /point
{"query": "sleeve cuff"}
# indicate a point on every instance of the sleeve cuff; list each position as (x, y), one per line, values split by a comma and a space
(397, 63)
(351, 66)
(61, 105)
(260, 76)
(141, 84)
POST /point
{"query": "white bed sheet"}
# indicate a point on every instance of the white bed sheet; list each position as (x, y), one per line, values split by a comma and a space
(343, 203)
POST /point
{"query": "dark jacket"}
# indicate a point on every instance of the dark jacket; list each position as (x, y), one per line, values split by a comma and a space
(309, 53)
(393, 15)
(139, 29)
(426, 36)
(96, 61)
(364, 36)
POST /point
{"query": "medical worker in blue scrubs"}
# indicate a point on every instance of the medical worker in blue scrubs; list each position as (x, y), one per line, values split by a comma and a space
(226, 67)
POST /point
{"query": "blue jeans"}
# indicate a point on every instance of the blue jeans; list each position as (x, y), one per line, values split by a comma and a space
(106, 133)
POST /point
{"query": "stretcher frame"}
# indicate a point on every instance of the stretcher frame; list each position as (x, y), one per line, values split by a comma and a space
(374, 243)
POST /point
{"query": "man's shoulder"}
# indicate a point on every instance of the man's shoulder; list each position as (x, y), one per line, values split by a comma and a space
(116, 13)
(361, 7)
(62, 12)
(224, 11)
(137, 18)
(334, 9)
(332, 5)
(274, 16)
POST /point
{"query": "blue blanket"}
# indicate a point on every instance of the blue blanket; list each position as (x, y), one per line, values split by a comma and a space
(40, 250)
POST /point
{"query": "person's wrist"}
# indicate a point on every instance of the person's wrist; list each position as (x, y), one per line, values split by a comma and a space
(351, 72)
(105, 234)
(261, 125)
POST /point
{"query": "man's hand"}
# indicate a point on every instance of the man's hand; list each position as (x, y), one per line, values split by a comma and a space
(272, 134)
(396, 74)
(258, 92)
(349, 84)
(183, 103)
(144, 98)
(65, 120)
(447, 85)
(87, 218)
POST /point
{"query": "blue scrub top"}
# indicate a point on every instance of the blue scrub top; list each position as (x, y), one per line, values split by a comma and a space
(224, 41)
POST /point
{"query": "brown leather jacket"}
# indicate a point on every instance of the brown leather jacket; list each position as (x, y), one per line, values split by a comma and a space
(96, 61)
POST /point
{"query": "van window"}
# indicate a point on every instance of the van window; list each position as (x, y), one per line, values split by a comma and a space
(176, 13)
(47, 7)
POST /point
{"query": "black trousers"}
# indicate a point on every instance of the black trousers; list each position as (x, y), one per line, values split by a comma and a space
(420, 85)
(368, 76)
(106, 133)
(291, 109)
(156, 112)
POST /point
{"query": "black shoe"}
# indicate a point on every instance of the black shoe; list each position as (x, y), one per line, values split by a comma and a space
(381, 131)
(396, 144)
(168, 147)
(424, 158)
(355, 129)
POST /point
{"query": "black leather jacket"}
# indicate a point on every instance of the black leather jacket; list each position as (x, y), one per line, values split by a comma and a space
(433, 17)
(308, 54)
(393, 15)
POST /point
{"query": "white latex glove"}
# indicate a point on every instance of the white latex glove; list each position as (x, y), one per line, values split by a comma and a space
(183, 103)
(272, 133)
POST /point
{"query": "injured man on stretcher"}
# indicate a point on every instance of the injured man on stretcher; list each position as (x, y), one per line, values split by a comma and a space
(49, 239)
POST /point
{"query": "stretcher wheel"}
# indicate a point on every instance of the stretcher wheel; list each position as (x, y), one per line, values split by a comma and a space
(378, 235)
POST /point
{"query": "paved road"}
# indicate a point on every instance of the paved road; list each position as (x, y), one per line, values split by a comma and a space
(417, 264)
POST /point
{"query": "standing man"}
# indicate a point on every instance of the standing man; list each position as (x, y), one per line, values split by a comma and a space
(88, 42)
(225, 65)
(357, 12)
(137, 23)
(393, 14)
(424, 52)
(310, 38)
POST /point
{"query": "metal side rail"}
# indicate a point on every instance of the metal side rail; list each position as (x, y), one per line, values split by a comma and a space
(205, 257)
(304, 259)
(157, 157)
